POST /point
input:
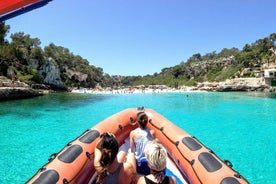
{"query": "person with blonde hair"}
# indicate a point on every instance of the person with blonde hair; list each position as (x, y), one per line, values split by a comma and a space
(156, 156)
(139, 137)
(110, 166)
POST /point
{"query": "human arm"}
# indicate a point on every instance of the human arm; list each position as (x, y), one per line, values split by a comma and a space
(97, 157)
(172, 180)
(132, 160)
(131, 141)
(141, 180)
(128, 175)
(152, 134)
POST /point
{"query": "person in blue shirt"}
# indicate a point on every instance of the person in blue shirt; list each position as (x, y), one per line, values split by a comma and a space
(138, 140)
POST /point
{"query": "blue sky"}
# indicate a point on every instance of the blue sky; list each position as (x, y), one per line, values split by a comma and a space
(140, 37)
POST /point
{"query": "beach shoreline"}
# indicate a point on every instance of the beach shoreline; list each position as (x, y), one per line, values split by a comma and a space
(133, 91)
(230, 85)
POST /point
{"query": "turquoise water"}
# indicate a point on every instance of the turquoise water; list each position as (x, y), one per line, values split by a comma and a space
(239, 127)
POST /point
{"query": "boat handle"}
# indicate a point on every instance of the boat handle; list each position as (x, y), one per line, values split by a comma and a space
(88, 155)
(228, 163)
(52, 157)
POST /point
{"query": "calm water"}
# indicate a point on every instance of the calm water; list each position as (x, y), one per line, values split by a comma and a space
(239, 127)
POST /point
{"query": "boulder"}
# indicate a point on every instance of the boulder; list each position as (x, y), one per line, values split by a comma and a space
(13, 89)
(10, 93)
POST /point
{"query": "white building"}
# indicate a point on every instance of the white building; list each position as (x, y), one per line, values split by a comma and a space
(270, 77)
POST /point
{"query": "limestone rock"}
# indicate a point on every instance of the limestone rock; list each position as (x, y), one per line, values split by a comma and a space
(13, 89)
(51, 73)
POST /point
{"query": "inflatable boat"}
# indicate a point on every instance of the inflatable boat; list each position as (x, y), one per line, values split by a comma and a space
(189, 160)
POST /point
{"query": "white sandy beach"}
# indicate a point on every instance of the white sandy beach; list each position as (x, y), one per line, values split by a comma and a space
(133, 91)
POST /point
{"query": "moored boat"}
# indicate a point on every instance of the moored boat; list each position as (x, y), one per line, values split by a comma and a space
(189, 160)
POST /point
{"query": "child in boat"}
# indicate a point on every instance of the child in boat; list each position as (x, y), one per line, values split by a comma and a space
(138, 140)
(110, 168)
(156, 155)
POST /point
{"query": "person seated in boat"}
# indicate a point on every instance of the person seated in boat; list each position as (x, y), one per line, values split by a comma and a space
(111, 166)
(138, 140)
(156, 155)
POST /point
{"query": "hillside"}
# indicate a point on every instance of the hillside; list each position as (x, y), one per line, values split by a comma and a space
(216, 67)
(55, 67)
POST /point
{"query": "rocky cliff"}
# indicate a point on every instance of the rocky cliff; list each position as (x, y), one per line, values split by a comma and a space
(13, 89)
(54, 76)
(201, 68)
(50, 72)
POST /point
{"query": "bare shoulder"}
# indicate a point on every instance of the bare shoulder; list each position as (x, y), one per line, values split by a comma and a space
(152, 133)
(133, 132)
(129, 174)
(128, 169)
(127, 166)
(141, 180)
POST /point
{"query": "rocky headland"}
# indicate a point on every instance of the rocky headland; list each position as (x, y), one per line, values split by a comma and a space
(236, 84)
(13, 89)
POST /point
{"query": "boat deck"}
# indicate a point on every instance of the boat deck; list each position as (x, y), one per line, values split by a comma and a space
(171, 169)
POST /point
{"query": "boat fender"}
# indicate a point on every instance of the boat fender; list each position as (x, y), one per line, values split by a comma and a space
(211, 151)
(229, 180)
(228, 163)
(191, 143)
(89, 136)
(209, 162)
(69, 155)
(52, 157)
(50, 176)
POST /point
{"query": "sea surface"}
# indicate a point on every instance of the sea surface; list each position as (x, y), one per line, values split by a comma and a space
(240, 127)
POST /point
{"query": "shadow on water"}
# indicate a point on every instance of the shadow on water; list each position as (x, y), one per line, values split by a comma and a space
(50, 102)
(264, 95)
(72, 100)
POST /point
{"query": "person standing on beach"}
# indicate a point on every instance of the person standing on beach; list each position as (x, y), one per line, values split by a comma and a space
(138, 140)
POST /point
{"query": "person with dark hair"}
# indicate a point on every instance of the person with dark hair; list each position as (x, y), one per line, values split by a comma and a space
(110, 168)
(156, 156)
(138, 140)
